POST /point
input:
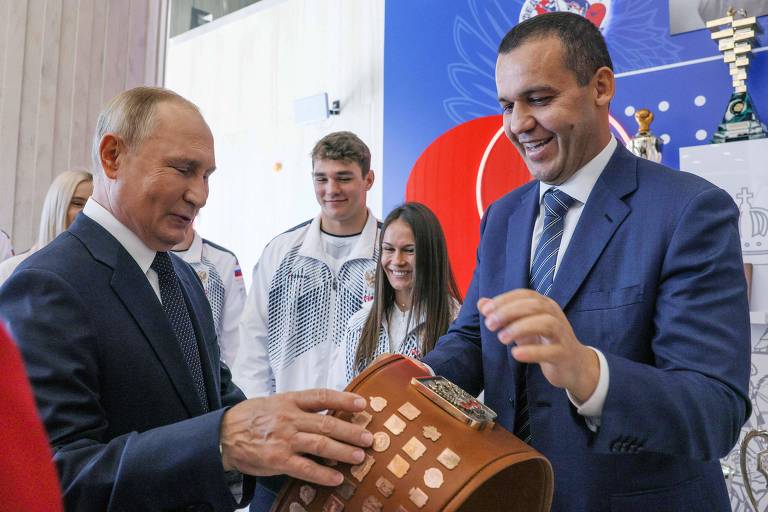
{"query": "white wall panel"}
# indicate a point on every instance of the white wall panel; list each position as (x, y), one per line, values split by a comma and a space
(244, 71)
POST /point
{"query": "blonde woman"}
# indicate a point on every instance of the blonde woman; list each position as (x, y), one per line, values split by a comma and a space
(65, 198)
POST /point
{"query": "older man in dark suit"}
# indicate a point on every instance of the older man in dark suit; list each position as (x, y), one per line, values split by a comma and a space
(119, 343)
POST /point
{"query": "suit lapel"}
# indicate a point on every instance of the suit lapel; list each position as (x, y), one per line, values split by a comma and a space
(519, 234)
(518, 247)
(603, 214)
(132, 287)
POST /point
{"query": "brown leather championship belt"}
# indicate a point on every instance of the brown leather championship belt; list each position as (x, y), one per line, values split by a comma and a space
(435, 448)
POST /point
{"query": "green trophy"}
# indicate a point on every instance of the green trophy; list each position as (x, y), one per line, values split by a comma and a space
(734, 39)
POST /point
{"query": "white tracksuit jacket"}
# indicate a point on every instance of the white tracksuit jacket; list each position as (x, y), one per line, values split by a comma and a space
(297, 310)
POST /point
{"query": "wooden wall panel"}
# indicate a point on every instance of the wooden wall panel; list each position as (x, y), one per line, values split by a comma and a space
(15, 15)
(60, 60)
(79, 135)
(62, 151)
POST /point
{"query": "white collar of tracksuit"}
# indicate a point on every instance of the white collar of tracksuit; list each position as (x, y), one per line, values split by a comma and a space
(365, 248)
(195, 252)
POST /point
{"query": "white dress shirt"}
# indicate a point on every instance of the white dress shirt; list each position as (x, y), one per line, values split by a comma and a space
(579, 186)
(143, 255)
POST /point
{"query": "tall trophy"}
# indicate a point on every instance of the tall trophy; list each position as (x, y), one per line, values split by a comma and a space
(734, 39)
(644, 144)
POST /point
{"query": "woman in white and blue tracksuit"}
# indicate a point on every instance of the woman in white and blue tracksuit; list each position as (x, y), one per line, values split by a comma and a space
(416, 297)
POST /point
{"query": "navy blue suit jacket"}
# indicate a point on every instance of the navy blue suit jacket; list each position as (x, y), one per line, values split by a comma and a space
(113, 389)
(653, 278)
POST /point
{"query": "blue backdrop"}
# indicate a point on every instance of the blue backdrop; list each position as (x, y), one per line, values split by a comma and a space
(439, 60)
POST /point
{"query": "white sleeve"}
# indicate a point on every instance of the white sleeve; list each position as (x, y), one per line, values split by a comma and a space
(252, 371)
(234, 301)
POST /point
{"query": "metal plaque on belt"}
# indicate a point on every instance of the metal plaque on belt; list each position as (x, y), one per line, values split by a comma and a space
(455, 401)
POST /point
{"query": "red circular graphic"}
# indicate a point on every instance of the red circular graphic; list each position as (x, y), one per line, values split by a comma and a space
(468, 161)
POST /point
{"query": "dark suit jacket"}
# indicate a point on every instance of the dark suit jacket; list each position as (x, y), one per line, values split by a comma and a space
(111, 383)
(653, 278)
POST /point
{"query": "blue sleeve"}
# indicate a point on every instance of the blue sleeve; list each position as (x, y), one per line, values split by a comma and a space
(458, 354)
(692, 401)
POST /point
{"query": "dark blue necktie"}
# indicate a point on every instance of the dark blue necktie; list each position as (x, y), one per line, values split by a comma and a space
(555, 204)
(178, 315)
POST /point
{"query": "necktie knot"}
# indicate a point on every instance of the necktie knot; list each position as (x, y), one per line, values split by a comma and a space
(162, 264)
(557, 202)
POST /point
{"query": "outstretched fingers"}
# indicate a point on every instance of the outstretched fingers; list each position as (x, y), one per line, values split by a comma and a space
(304, 468)
(316, 400)
(326, 447)
(333, 428)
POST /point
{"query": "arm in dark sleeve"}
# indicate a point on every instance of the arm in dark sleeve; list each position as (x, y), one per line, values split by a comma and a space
(169, 467)
(458, 354)
(692, 402)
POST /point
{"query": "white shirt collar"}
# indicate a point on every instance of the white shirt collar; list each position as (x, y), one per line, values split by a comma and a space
(312, 247)
(143, 255)
(580, 185)
(195, 252)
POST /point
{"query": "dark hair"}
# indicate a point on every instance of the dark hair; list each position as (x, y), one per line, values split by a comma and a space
(345, 146)
(584, 49)
(435, 294)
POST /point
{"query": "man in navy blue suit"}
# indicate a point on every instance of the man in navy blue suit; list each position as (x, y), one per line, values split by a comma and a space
(120, 347)
(607, 318)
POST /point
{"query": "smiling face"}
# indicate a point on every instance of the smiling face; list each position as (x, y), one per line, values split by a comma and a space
(341, 190)
(157, 188)
(398, 258)
(557, 125)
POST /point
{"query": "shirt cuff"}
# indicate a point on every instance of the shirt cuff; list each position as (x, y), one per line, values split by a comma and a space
(592, 408)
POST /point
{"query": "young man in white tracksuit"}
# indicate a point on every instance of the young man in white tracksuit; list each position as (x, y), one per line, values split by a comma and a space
(311, 279)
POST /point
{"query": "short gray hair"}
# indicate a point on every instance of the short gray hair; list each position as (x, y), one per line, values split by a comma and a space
(130, 115)
(53, 219)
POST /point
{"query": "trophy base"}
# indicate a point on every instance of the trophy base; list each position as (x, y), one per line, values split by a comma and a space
(740, 121)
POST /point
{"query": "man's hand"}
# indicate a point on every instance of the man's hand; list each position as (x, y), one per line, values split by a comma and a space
(543, 335)
(273, 435)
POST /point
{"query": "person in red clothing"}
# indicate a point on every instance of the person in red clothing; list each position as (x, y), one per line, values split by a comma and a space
(28, 480)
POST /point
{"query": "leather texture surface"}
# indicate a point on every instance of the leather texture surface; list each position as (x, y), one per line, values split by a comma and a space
(496, 471)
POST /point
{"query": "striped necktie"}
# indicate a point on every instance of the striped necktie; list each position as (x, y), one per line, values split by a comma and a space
(555, 204)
